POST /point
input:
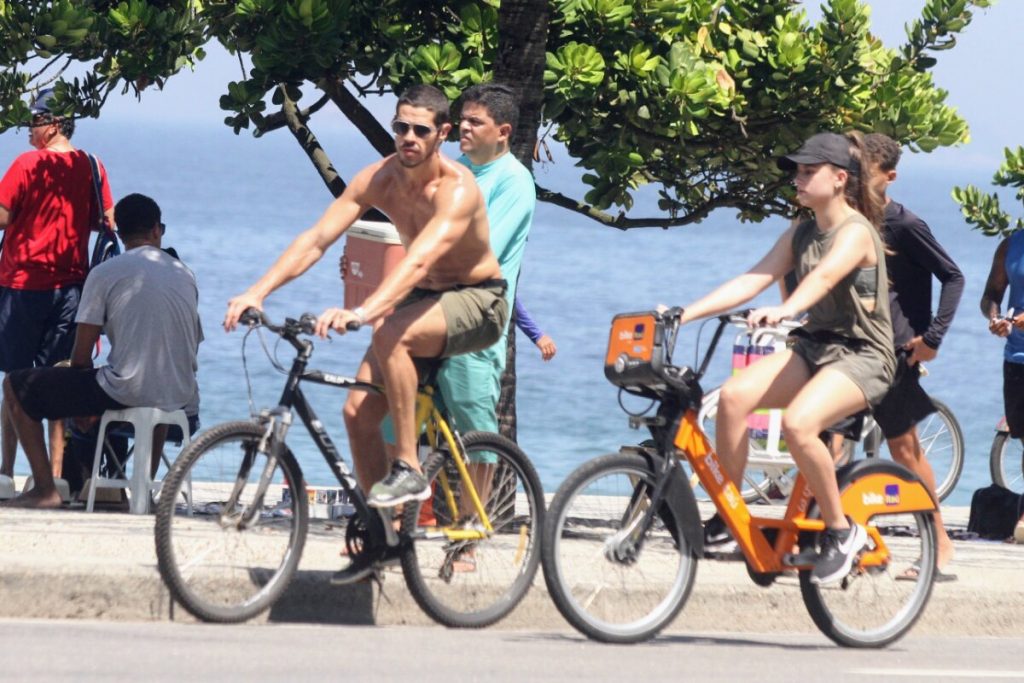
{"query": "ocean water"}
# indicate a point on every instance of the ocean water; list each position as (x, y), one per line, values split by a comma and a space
(232, 203)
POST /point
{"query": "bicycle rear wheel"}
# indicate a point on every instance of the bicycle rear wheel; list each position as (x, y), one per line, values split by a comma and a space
(942, 442)
(218, 570)
(875, 606)
(1006, 462)
(475, 583)
(610, 595)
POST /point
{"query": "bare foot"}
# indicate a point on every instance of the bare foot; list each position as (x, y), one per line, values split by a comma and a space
(946, 551)
(465, 563)
(35, 499)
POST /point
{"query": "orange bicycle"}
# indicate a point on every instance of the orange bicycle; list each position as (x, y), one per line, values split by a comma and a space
(623, 533)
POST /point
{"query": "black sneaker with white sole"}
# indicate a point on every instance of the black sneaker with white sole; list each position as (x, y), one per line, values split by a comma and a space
(839, 548)
(716, 532)
(365, 564)
(400, 486)
(718, 541)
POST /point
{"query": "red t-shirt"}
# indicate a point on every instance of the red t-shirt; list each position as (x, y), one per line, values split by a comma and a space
(52, 203)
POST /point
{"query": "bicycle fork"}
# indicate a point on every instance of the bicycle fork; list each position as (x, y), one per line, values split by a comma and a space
(625, 545)
(276, 423)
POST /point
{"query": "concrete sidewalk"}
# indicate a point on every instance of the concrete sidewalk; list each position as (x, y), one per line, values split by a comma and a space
(103, 565)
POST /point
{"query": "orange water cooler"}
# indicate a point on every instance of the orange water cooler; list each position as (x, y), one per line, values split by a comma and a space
(372, 250)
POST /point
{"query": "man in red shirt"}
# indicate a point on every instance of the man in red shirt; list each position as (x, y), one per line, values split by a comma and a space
(47, 209)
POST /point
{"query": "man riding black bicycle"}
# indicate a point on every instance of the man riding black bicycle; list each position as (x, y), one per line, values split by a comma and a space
(447, 295)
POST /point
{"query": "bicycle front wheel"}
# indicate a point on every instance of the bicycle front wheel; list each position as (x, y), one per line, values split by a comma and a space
(606, 590)
(875, 606)
(475, 583)
(1007, 462)
(218, 565)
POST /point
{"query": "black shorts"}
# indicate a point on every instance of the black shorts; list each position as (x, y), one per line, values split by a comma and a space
(38, 327)
(906, 404)
(1013, 397)
(53, 393)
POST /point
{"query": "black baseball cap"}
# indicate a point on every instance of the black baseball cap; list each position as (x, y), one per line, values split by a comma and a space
(823, 148)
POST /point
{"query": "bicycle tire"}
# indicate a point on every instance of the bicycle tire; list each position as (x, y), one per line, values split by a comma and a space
(505, 563)
(609, 599)
(1007, 470)
(846, 612)
(247, 570)
(942, 441)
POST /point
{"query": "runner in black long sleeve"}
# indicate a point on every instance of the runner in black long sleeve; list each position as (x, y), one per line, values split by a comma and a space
(915, 258)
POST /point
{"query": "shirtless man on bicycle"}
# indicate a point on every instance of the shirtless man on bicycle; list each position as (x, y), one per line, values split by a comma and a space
(447, 294)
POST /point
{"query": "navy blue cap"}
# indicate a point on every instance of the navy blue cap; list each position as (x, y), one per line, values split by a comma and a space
(823, 148)
(41, 105)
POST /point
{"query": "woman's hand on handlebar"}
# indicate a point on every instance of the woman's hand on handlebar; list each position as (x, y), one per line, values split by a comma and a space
(239, 305)
(341, 320)
(768, 316)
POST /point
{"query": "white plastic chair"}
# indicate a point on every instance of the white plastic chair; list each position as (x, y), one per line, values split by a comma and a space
(141, 483)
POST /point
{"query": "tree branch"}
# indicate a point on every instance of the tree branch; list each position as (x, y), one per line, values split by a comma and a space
(310, 145)
(360, 116)
(697, 214)
(279, 119)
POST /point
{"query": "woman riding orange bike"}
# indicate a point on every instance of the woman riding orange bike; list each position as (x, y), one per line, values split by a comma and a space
(842, 360)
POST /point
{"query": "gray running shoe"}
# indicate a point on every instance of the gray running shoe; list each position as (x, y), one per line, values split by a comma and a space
(402, 485)
(839, 548)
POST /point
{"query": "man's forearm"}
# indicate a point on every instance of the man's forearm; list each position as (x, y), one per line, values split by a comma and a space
(989, 307)
(300, 255)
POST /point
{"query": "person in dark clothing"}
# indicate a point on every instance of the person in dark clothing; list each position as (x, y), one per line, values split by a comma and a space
(914, 258)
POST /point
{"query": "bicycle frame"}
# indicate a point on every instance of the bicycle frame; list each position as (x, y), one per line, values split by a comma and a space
(678, 431)
(860, 501)
(278, 420)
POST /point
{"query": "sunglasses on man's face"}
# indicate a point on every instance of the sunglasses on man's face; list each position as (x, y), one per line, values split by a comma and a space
(401, 128)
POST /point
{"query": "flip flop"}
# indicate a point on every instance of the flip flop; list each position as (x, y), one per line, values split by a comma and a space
(913, 571)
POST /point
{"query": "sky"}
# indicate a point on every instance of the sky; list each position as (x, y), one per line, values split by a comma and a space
(968, 72)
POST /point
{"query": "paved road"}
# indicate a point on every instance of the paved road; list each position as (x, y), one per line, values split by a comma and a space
(110, 651)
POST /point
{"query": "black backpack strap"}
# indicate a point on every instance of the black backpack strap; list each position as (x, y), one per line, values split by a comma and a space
(97, 187)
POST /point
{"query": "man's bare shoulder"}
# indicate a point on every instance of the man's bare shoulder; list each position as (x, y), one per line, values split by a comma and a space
(457, 181)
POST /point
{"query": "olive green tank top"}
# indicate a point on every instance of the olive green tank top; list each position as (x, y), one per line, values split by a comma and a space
(845, 310)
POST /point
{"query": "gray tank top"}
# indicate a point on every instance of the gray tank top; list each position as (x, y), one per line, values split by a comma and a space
(844, 310)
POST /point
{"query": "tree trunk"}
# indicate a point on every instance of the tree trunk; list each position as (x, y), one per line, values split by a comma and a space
(522, 42)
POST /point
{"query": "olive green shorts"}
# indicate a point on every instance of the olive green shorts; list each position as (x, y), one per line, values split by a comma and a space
(475, 315)
(869, 370)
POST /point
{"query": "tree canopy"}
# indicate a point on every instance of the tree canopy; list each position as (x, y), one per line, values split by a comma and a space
(693, 97)
(983, 210)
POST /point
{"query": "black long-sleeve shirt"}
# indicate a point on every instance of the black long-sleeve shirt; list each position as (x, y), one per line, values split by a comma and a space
(916, 257)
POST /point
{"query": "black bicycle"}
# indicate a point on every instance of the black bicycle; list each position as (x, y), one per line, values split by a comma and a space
(233, 517)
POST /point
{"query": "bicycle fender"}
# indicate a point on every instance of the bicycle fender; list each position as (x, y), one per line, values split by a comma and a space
(873, 487)
(679, 497)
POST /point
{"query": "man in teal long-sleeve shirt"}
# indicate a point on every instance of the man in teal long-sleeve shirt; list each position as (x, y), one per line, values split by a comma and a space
(470, 383)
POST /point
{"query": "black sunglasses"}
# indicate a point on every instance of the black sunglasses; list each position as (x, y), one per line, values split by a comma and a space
(402, 128)
(163, 228)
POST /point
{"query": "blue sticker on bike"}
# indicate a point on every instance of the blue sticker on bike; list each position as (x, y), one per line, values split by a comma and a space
(892, 494)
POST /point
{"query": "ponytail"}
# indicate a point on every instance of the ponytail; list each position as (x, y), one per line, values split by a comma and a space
(859, 193)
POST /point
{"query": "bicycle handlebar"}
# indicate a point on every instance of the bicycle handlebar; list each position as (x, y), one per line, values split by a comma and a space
(306, 324)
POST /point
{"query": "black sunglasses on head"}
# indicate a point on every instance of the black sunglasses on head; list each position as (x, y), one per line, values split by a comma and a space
(402, 128)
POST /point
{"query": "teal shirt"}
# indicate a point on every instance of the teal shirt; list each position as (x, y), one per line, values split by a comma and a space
(471, 383)
(510, 196)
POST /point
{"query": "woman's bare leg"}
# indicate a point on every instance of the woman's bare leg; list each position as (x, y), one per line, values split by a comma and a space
(772, 382)
(828, 397)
